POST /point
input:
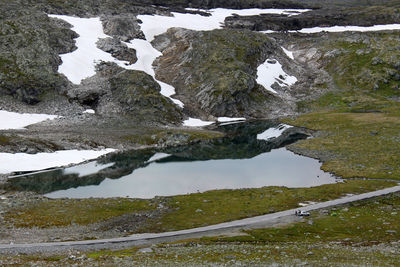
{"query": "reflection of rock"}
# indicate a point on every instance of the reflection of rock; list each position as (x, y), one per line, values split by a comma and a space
(240, 143)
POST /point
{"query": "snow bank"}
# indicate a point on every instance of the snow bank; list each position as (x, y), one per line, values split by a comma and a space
(350, 28)
(228, 119)
(288, 53)
(273, 132)
(12, 120)
(80, 64)
(270, 72)
(156, 24)
(33, 162)
(192, 122)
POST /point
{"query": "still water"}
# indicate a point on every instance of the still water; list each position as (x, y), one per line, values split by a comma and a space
(240, 160)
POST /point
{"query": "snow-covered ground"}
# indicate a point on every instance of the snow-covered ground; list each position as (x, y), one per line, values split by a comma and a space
(272, 133)
(192, 122)
(288, 53)
(154, 25)
(81, 63)
(32, 162)
(12, 120)
(270, 72)
(350, 28)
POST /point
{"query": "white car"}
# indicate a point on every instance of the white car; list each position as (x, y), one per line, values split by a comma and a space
(302, 213)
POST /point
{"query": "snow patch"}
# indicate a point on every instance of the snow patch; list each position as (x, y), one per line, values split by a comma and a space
(228, 119)
(154, 25)
(270, 72)
(33, 162)
(12, 120)
(272, 133)
(89, 111)
(386, 27)
(192, 122)
(288, 53)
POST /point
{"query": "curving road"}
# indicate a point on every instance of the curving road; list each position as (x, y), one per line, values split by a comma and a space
(152, 238)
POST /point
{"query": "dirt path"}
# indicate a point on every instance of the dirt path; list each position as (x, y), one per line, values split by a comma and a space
(217, 229)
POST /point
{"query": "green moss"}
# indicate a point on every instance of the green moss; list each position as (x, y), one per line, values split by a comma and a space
(368, 222)
(62, 212)
(212, 207)
(185, 211)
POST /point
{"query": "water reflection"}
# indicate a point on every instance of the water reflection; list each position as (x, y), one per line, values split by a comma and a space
(239, 160)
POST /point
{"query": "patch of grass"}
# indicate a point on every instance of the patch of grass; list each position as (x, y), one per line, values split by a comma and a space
(212, 207)
(366, 223)
(359, 123)
(359, 144)
(62, 212)
(185, 211)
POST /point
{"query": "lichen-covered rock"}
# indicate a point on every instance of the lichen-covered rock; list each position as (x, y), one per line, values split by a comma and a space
(124, 27)
(30, 44)
(215, 72)
(117, 92)
(317, 18)
(117, 49)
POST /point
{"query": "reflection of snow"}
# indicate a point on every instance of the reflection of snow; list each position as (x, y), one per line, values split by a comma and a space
(273, 132)
(33, 162)
(350, 28)
(279, 167)
(270, 72)
(158, 156)
(87, 169)
(12, 120)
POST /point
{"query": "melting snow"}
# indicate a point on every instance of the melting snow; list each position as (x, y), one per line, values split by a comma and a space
(80, 64)
(228, 119)
(288, 53)
(33, 162)
(12, 120)
(156, 24)
(89, 111)
(273, 132)
(350, 28)
(192, 122)
(270, 72)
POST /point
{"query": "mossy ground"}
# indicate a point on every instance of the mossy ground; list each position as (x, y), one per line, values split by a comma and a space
(185, 211)
(359, 121)
(363, 233)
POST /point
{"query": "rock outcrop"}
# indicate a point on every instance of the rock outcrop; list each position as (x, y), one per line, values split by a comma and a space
(215, 72)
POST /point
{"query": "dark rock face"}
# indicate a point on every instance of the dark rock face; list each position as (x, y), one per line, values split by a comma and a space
(114, 91)
(117, 49)
(215, 72)
(29, 46)
(124, 27)
(316, 18)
